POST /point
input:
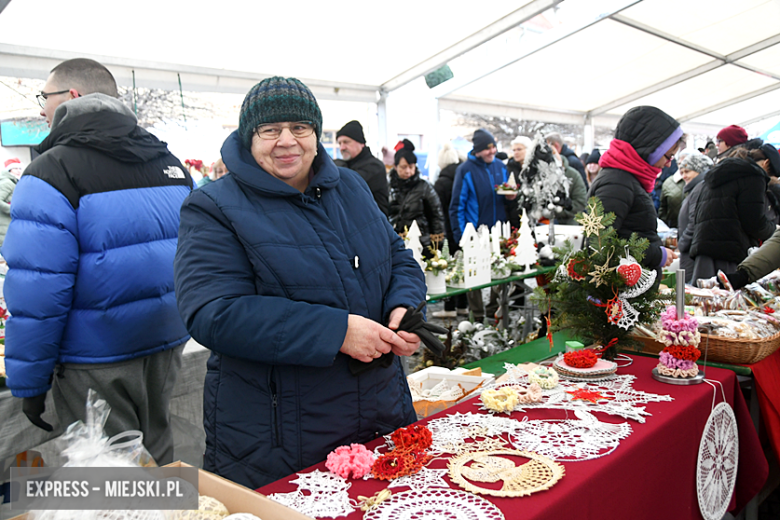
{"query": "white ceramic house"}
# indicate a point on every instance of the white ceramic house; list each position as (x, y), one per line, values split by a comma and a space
(495, 239)
(476, 256)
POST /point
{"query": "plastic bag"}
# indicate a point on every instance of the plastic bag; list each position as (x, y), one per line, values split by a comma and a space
(88, 446)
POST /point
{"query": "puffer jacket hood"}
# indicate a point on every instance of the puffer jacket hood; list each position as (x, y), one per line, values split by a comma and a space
(244, 168)
(731, 169)
(105, 124)
(646, 128)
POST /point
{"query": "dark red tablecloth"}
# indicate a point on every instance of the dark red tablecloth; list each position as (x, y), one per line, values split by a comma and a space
(766, 377)
(652, 474)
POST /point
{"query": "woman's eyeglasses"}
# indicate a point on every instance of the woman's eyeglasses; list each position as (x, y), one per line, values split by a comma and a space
(274, 131)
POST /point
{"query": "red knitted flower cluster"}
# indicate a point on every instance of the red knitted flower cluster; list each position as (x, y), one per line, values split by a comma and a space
(414, 437)
(687, 353)
(584, 358)
(409, 455)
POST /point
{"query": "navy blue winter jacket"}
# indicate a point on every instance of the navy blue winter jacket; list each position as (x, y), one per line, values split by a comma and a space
(90, 248)
(266, 277)
(474, 197)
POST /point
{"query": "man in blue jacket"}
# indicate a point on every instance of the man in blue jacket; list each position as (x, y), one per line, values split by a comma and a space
(474, 200)
(90, 253)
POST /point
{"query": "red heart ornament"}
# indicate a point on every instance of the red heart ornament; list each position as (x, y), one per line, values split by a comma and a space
(630, 273)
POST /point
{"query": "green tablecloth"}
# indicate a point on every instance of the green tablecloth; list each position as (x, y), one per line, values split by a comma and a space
(531, 352)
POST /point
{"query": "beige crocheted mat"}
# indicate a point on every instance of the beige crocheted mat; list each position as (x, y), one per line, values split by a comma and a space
(538, 474)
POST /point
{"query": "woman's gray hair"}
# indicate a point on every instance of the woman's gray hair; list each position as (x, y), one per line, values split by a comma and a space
(697, 162)
(521, 139)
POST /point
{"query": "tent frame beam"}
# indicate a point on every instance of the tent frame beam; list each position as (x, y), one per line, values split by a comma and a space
(729, 102)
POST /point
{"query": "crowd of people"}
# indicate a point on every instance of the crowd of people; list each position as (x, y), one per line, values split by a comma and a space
(290, 266)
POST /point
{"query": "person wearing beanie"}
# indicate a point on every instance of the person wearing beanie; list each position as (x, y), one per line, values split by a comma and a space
(731, 212)
(413, 199)
(301, 301)
(358, 157)
(9, 176)
(90, 247)
(449, 160)
(693, 168)
(474, 200)
(730, 137)
(646, 139)
(592, 167)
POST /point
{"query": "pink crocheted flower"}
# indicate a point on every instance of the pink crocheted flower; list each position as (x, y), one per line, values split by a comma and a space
(672, 362)
(353, 460)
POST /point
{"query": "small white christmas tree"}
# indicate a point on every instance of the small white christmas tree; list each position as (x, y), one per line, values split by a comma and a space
(512, 182)
(525, 252)
(495, 239)
(476, 256)
(413, 243)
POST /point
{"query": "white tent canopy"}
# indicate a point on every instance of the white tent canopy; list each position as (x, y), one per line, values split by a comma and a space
(709, 64)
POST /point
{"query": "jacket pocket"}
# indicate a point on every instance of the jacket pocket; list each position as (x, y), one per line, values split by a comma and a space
(276, 426)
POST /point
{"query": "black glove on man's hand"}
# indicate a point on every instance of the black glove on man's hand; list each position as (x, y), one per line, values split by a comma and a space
(414, 322)
(739, 279)
(33, 408)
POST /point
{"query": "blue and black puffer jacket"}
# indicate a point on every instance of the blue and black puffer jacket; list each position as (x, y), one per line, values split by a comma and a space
(266, 277)
(474, 198)
(91, 244)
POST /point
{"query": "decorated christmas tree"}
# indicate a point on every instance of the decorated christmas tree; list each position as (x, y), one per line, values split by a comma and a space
(601, 292)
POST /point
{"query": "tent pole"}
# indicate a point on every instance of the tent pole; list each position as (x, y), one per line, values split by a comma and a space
(135, 97)
(181, 95)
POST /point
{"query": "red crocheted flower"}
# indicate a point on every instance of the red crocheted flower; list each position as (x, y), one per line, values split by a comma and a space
(415, 437)
(687, 353)
(391, 465)
(417, 459)
(584, 358)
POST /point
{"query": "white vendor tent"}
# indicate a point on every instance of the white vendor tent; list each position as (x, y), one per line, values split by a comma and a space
(709, 64)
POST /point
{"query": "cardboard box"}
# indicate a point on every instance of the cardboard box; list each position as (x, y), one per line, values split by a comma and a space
(432, 376)
(239, 499)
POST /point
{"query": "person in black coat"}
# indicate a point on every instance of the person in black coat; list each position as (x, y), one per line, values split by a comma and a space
(520, 145)
(448, 163)
(693, 168)
(412, 198)
(556, 141)
(646, 139)
(357, 157)
(731, 215)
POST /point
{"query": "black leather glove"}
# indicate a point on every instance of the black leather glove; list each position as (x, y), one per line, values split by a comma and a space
(33, 408)
(411, 322)
(414, 322)
(738, 280)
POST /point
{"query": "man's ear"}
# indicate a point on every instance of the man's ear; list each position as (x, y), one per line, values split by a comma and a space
(74, 93)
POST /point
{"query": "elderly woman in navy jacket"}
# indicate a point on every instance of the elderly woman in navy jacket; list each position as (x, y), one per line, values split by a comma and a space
(290, 274)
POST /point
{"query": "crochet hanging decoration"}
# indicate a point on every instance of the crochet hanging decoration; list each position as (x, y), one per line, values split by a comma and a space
(435, 504)
(543, 186)
(602, 291)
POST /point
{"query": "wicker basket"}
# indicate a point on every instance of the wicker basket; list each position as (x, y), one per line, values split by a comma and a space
(724, 350)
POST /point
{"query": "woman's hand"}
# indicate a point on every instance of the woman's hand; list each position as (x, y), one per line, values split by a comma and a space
(670, 256)
(411, 341)
(367, 340)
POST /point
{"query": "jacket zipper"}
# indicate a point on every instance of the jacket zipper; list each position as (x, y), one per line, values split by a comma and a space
(275, 427)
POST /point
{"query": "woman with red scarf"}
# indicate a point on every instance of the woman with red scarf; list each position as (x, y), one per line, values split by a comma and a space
(646, 139)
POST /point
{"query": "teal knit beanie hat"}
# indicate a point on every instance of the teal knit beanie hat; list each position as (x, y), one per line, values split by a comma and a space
(277, 100)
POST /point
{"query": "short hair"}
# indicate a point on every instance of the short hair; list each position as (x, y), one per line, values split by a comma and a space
(554, 137)
(86, 76)
(521, 139)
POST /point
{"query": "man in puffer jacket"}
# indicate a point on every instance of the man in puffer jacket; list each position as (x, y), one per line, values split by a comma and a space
(90, 253)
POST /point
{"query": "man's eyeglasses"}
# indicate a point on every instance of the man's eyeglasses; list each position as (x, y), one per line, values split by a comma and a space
(44, 95)
(274, 131)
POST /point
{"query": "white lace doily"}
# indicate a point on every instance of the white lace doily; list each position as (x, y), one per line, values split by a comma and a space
(426, 478)
(327, 495)
(620, 398)
(435, 504)
(570, 440)
(449, 434)
(716, 467)
(316, 505)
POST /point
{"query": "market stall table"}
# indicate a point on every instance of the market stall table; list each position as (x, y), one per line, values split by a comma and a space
(652, 473)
